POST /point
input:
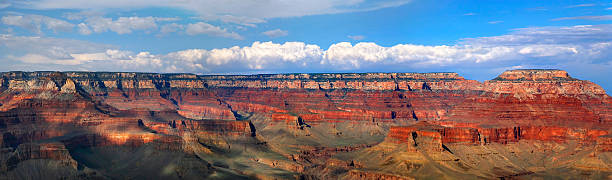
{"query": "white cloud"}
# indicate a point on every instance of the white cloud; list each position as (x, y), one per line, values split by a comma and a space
(10, 44)
(469, 14)
(190, 55)
(205, 28)
(162, 19)
(93, 22)
(83, 29)
(82, 14)
(117, 54)
(123, 25)
(241, 20)
(349, 56)
(240, 15)
(592, 18)
(170, 28)
(356, 37)
(34, 23)
(527, 47)
(276, 33)
(580, 5)
(188, 60)
(548, 50)
(548, 35)
(495, 22)
(258, 56)
(123, 59)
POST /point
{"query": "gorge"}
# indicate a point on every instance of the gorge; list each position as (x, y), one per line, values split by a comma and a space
(524, 124)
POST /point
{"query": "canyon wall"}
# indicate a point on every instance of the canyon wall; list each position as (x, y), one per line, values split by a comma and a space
(103, 83)
(303, 119)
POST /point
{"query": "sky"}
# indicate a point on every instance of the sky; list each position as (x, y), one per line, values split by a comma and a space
(477, 39)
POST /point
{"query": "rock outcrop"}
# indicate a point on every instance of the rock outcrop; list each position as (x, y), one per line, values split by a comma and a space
(325, 125)
(537, 81)
(483, 135)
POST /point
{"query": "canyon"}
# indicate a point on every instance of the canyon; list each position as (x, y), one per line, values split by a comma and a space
(523, 124)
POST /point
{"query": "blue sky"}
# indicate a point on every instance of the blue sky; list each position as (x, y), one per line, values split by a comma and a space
(478, 39)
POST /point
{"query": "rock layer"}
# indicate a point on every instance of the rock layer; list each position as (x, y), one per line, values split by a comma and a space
(395, 125)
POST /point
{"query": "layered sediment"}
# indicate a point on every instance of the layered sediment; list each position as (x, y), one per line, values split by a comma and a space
(302, 122)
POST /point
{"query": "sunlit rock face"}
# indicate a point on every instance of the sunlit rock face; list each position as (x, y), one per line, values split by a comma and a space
(522, 124)
(535, 75)
(541, 82)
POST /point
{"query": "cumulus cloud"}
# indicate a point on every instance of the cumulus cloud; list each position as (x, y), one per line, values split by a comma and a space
(205, 28)
(276, 33)
(258, 56)
(525, 47)
(34, 23)
(348, 56)
(267, 54)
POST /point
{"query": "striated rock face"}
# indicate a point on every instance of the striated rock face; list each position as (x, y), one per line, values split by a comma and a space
(439, 135)
(364, 81)
(537, 81)
(317, 126)
(531, 81)
(535, 75)
(56, 151)
(99, 81)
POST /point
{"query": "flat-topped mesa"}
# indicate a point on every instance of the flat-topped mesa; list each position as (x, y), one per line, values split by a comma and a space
(98, 82)
(431, 76)
(526, 81)
(101, 82)
(541, 81)
(32, 81)
(132, 80)
(359, 81)
(336, 76)
(535, 75)
(129, 75)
